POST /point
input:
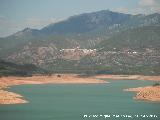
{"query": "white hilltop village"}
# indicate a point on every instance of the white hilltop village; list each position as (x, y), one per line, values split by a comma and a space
(76, 53)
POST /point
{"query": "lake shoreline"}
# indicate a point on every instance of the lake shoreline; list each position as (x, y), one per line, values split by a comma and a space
(14, 98)
(128, 77)
(7, 97)
(148, 93)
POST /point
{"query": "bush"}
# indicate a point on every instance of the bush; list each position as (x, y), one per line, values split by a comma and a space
(156, 84)
(58, 75)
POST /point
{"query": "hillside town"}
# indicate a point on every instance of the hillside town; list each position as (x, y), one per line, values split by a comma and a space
(76, 53)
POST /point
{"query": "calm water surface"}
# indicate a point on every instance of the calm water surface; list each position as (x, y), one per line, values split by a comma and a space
(72, 102)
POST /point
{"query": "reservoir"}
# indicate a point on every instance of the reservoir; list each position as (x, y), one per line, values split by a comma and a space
(81, 102)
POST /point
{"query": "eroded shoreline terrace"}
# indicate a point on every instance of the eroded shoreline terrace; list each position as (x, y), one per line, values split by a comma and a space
(151, 93)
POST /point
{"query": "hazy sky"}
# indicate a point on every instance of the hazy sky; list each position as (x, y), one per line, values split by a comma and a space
(16, 15)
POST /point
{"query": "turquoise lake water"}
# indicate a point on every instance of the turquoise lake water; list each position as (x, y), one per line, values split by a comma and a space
(81, 102)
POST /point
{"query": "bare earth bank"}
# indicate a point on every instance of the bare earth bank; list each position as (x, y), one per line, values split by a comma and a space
(129, 77)
(143, 93)
(149, 93)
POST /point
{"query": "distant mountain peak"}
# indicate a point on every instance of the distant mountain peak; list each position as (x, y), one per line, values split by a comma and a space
(27, 32)
(125, 43)
(87, 22)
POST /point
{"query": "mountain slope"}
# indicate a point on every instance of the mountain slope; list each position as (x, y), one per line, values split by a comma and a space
(87, 22)
(115, 35)
(85, 30)
(137, 38)
(9, 68)
(15, 41)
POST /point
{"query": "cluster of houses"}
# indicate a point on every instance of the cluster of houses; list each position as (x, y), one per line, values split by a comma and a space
(76, 53)
(78, 50)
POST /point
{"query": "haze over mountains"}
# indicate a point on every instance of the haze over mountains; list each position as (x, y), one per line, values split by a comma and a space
(124, 44)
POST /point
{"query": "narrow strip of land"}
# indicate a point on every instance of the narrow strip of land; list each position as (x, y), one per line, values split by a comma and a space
(129, 77)
(149, 93)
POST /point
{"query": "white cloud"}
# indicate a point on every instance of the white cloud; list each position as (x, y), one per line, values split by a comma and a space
(8, 26)
(156, 8)
(151, 6)
(143, 7)
(147, 2)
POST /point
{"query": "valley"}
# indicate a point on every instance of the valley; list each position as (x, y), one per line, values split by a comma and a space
(81, 50)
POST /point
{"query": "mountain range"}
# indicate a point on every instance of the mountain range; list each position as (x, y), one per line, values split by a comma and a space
(124, 44)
